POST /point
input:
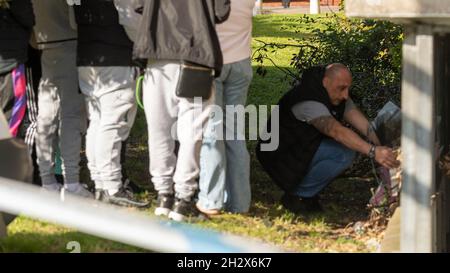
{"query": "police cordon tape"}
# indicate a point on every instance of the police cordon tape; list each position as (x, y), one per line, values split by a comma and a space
(118, 224)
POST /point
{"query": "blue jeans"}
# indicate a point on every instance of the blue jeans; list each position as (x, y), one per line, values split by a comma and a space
(330, 160)
(225, 165)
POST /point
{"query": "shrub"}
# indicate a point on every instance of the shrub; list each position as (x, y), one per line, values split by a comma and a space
(370, 48)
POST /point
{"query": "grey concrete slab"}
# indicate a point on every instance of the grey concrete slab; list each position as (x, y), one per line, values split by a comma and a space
(424, 11)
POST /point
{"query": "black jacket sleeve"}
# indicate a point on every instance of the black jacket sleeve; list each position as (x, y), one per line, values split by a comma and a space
(221, 10)
(22, 10)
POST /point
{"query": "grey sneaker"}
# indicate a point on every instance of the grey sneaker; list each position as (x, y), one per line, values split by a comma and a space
(80, 191)
(123, 197)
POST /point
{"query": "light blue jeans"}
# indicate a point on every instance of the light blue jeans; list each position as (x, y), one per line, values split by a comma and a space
(330, 160)
(225, 164)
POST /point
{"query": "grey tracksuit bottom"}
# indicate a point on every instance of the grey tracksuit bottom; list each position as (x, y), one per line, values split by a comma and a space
(111, 107)
(170, 117)
(60, 114)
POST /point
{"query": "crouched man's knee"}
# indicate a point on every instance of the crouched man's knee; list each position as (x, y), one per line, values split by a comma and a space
(347, 157)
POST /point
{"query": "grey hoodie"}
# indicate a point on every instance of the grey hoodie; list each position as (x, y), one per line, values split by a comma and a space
(128, 17)
(54, 23)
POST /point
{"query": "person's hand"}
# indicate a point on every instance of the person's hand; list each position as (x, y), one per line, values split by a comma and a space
(386, 157)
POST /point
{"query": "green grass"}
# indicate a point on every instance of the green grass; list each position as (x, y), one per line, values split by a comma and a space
(345, 200)
(26, 235)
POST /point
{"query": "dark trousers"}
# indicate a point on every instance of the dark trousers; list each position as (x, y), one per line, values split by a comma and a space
(6, 94)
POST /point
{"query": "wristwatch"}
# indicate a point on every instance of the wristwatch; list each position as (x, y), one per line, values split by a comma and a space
(372, 152)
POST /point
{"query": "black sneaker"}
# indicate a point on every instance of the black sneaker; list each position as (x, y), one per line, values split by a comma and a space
(164, 204)
(298, 204)
(123, 197)
(183, 209)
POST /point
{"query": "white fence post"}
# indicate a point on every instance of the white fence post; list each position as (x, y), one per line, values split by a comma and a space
(258, 7)
(314, 6)
(418, 141)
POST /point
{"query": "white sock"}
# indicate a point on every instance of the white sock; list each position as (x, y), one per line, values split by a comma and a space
(112, 187)
(112, 191)
(98, 185)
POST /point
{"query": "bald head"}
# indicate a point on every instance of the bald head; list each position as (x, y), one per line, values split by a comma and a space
(337, 82)
(337, 70)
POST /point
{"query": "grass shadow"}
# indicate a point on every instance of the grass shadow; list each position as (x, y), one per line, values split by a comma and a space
(279, 26)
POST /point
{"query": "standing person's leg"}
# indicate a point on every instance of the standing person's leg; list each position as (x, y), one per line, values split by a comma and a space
(33, 77)
(93, 111)
(71, 110)
(192, 118)
(238, 192)
(32, 110)
(112, 111)
(118, 111)
(6, 94)
(20, 99)
(213, 160)
(87, 80)
(161, 112)
(48, 119)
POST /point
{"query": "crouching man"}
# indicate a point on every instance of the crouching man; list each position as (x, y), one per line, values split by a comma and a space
(314, 145)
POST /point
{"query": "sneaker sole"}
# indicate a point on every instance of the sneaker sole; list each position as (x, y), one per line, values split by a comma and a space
(127, 203)
(176, 216)
(162, 211)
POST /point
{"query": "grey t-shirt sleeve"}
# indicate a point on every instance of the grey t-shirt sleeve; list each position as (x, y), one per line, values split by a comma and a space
(349, 105)
(310, 110)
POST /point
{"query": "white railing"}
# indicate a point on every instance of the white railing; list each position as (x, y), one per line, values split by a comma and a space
(258, 7)
(118, 224)
(314, 6)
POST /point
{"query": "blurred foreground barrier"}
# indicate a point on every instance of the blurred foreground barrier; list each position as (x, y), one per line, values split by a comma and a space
(118, 224)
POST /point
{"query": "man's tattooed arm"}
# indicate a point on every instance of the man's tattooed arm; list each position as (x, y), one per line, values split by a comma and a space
(327, 125)
(330, 127)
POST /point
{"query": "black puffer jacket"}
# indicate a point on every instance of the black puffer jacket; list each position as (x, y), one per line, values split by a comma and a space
(182, 31)
(102, 41)
(16, 24)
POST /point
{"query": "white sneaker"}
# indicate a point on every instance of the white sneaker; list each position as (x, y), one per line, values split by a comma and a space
(78, 190)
